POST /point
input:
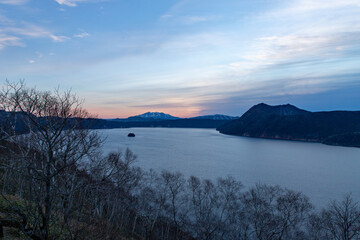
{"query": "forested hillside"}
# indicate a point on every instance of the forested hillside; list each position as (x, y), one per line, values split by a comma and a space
(291, 123)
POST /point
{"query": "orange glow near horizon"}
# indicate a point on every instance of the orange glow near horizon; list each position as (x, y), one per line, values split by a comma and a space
(108, 113)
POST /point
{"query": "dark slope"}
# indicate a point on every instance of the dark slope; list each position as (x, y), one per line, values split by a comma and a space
(289, 122)
(215, 117)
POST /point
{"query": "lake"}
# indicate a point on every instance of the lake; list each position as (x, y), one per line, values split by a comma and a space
(322, 172)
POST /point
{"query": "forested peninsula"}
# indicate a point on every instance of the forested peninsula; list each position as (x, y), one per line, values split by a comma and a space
(341, 128)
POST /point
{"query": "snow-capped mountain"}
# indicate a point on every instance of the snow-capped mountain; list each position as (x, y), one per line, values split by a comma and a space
(216, 117)
(155, 115)
(159, 116)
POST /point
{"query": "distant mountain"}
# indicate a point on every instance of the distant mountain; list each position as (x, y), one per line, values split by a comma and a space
(289, 122)
(149, 116)
(157, 116)
(158, 119)
(216, 117)
(7, 118)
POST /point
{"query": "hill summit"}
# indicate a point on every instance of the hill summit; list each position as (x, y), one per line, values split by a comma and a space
(291, 123)
(155, 116)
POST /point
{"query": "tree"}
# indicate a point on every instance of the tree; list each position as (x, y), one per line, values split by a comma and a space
(275, 213)
(204, 208)
(341, 220)
(174, 186)
(45, 159)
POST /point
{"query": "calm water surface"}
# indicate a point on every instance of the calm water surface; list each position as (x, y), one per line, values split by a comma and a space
(322, 172)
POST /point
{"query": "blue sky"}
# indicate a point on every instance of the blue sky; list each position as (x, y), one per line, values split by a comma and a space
(186, 57)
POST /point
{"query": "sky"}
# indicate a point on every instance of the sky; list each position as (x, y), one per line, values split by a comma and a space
(186, 57)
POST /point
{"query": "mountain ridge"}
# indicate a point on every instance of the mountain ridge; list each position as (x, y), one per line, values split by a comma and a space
(155, 115)
(151, 116)
(291, 123)
(215, 117)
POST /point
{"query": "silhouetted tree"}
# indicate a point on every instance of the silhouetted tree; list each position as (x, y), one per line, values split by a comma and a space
(43, 158)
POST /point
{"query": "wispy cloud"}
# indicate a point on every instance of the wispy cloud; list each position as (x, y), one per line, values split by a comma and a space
(301, 6)
(317, 34)
(293, 49)
(82, 35)
(33, 31)
(13, 34)
(57, 38)
(13, 2)
(296, 90)
(74, 3)
(28, 30)
(161, 105)
(166, 16)
(187, 20)
(9, 41)
(70, 3)
(195, 19)
(195, 42)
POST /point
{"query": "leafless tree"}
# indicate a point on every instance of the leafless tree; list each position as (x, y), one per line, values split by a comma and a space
(204, 207)
(341, 220)
(275, 213)
(232, 222)
(45, 158)
(173, 186)
(152, 204)
(315, 228)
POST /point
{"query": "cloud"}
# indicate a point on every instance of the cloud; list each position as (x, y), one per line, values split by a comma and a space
(13, 2)
(74, 3)
(316, 16)
(82, 35)
(296, 90)
(6, 40)
(16, 34)
(165, 16)
(188, 20)
(197, 19)
(31, 61)
(195, 42)
(297, 8)
(28, 30)
(295, 46)
(69, 3)
(194, 19)
(308, 52)
(33, 31)
(311, 5)
(161, 105)
(56, 38)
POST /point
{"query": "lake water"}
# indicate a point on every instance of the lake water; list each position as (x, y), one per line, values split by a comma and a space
(322, 172)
